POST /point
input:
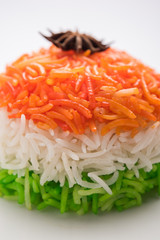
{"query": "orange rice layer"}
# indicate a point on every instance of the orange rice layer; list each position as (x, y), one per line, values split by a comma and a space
(76, 91)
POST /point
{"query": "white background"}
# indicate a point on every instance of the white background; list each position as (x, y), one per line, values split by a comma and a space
(135, 27)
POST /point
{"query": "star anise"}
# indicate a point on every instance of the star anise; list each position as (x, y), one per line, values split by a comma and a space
(76, 41)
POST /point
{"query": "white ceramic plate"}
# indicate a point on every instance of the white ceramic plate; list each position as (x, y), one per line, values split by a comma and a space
(137, 223)
(134, 25)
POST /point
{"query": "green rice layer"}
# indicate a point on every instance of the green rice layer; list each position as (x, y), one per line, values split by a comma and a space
(127, 191)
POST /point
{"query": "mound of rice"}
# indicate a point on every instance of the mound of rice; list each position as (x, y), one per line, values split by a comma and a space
(79, 130)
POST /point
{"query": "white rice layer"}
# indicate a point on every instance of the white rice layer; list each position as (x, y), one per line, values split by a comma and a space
(57, 155)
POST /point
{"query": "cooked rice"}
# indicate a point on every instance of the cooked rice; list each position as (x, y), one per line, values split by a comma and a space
(57, 155)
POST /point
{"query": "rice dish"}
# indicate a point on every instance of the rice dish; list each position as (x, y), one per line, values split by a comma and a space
(79, 129)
